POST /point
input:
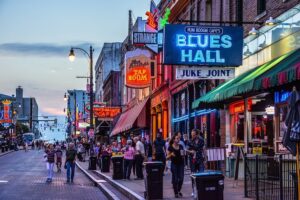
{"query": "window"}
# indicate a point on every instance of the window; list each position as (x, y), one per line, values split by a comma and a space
(261, 6)
(208, 11)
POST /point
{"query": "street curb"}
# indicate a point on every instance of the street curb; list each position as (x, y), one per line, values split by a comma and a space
(101, 186)
(3, 154)
(124, 190)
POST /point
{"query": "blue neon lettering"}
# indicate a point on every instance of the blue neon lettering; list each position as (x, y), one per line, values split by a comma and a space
(226, 41)
(218, 57)
(190, 41)
(199, 57)
(208, 58)
(180, 40)
(185, 55)
(215, 41)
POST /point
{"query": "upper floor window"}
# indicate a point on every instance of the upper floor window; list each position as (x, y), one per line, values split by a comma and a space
(261, 6)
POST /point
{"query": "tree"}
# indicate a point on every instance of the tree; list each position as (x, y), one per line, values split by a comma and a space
(21, 128)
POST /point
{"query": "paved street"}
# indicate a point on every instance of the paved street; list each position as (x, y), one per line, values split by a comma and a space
(23, 177)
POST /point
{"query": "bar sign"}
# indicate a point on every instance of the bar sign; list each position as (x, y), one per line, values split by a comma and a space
(144, 38)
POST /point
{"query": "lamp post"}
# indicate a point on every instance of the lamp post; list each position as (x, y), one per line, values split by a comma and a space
(90, 55)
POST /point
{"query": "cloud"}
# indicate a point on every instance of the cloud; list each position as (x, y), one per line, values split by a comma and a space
(53, 111)
(40, 49)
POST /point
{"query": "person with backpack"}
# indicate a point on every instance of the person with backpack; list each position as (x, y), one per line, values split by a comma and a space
(70, 162)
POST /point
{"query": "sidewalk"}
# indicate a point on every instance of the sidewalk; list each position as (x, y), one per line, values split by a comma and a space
(6, 152)
(234, 190)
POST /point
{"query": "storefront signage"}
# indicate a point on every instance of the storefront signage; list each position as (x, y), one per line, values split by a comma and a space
(106, 112)
(165, 19)
(270, 110)
(137, 69)
(238, 107)
(203, 45)
(5, 119)
(144, 38)
(151, 21)
(281, 96)
(184, 72)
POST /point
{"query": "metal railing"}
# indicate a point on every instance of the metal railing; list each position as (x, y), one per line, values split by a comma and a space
(270, 177)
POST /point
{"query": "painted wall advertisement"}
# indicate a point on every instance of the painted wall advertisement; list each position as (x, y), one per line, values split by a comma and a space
(203, 45)
(137, 70)
(188, 73)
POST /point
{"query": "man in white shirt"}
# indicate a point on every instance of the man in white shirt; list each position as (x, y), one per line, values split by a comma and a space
(139, 157)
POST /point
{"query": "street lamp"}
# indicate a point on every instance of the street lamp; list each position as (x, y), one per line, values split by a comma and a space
(90, 55)
(65, 97)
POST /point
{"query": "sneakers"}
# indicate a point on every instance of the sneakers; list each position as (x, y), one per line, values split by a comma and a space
(180, 194)
(176, 195)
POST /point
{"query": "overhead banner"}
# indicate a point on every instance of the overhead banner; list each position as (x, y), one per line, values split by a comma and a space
(203, 45)
(188, 73)
(137, 70)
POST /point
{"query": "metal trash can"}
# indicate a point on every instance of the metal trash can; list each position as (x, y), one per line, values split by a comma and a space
(154, 180)
(92, 163)
(117, 167)
(208, 185)
(105, 163)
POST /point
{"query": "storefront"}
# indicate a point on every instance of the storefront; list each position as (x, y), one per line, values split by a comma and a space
(160, 112)
(133, 120)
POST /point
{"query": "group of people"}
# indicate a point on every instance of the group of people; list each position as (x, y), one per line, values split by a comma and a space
(175, 154)
(54, 155)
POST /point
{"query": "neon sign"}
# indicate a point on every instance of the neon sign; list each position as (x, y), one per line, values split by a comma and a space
(106, 112)
(203, 45)
(164, 20)
(5, 114)
(151, 21)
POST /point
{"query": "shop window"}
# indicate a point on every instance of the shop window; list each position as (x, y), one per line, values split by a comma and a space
(261, 6)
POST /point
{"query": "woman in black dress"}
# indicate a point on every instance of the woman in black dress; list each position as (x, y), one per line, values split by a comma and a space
(176, 153)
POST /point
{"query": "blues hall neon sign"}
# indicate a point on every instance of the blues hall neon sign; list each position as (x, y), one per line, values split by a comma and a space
(195, 45)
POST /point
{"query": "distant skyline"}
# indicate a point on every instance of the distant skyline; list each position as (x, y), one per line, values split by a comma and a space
(36, 36)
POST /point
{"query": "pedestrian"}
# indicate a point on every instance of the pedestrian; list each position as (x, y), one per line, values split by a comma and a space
(70, 162)
(196, 148)
(50, 162)
(58, 155)
(26, 146)
(139, 158)
(185, 141)
(129, 153)
(175, 154)
(168, 162)
(159, 149)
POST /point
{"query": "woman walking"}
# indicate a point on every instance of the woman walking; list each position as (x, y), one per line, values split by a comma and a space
(176, 153)
(50, 162)
(128, 159)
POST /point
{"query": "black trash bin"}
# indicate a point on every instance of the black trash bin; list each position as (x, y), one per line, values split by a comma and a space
(105, 163)
(208, 185)
(117, 167)
(154, 180)
(2, 148)
(92, 163)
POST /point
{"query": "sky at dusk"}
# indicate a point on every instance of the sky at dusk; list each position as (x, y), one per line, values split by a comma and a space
(36, 36)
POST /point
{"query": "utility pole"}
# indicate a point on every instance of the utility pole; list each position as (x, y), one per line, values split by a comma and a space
(30, 115)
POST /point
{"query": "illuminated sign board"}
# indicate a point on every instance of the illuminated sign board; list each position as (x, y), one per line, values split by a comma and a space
(281, 96)
(187, 73)
(106, 112)
(151, 21)
(5, 114)
(137, 70)
(144, 38)
(202, 45)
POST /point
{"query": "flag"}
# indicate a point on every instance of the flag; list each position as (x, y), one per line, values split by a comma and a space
(153, 7)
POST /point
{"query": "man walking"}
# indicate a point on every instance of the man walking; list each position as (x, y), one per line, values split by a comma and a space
(159, 146)
(139, 157)
(70, 162)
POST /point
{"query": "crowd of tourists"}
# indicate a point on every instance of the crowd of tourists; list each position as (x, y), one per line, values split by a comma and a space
(176, 154)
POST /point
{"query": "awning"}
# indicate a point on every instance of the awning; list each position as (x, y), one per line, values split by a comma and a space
(281, 70)
(129, 117)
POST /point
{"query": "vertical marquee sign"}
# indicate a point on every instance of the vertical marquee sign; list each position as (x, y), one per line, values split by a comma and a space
(203, 45)
(5, 118)
(137, 70)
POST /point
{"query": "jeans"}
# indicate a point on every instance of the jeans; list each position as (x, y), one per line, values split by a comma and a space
(127, 168)
(50, 170)
(139, 166)
(177, 176)
(70, 170)
(197, 167)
